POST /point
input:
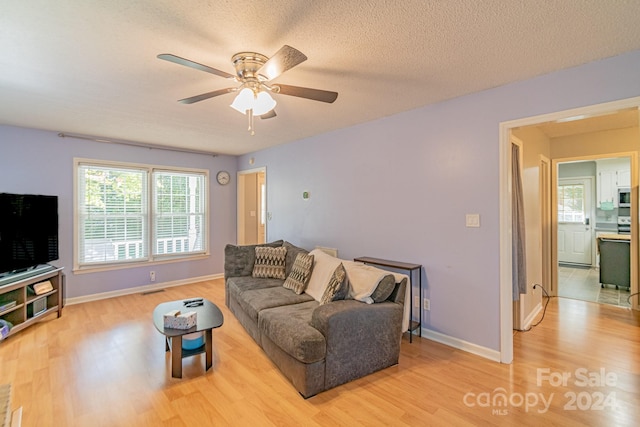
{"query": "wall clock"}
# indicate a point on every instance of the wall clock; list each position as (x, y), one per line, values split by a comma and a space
(223, 177)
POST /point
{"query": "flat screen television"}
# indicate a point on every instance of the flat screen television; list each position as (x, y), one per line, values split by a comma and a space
(28, 231)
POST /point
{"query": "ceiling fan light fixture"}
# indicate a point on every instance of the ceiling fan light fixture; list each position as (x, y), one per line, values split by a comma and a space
(247, 100)
(263, 104)
(254, 72)
(243, 101)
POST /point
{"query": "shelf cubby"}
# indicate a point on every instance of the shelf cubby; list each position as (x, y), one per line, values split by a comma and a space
(29, 307)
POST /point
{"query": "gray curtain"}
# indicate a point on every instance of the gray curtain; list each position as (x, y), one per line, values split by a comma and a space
(518, 254)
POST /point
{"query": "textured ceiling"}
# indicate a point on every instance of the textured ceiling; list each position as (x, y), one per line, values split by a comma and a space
(90, 67)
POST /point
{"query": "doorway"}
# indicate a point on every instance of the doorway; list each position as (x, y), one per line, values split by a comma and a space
(584, 218)
(594, 148)
(252, 207)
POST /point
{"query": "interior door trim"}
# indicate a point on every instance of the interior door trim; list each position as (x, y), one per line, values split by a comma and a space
(504, 165)
(240, 199)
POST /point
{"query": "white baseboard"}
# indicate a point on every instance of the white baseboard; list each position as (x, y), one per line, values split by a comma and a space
(476, 349)
(140, 289)
(16, 417)
(531, 316)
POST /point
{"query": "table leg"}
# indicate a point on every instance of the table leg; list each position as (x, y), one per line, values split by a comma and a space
(176, 356)
(208, 345)
(410, 307)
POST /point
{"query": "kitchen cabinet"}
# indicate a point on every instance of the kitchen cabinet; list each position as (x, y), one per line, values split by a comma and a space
(611, 174)
(624, 178)
(607, 188)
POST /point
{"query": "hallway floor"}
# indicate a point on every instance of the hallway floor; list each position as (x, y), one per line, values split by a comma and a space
(583, 284)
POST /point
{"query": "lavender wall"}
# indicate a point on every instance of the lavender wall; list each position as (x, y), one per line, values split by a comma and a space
(33, 161)
(400, 187)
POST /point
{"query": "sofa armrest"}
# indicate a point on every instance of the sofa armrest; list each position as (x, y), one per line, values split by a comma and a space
(351, 317)
(361, 338)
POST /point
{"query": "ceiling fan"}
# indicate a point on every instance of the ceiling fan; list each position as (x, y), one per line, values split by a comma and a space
(254, 72)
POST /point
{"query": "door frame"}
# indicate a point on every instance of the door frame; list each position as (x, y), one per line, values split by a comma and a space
(240, 202)
(518, 309)
(504, 148)
(545, 185)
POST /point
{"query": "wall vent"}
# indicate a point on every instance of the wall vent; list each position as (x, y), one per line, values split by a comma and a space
(155, 291)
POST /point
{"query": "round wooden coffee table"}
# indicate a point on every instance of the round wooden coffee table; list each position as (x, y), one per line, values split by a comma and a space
(208, 317)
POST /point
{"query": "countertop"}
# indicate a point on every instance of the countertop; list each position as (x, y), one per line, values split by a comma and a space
(614, 236)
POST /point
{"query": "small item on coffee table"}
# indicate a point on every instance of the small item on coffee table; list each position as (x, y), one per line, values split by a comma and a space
(176, 320)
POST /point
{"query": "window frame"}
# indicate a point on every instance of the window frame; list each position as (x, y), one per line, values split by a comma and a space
(151, 258)
(562, 211)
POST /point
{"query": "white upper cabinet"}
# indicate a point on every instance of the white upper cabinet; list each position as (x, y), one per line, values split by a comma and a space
(612, 174)
(607, 189)
(624, 178)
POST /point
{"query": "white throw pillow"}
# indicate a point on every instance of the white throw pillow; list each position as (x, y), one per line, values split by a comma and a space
(323, 267)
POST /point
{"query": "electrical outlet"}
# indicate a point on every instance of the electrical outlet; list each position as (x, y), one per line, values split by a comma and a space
(427, 304)
(416, 301)
(152, 276)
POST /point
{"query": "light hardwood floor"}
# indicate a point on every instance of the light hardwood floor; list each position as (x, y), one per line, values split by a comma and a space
(103, 364)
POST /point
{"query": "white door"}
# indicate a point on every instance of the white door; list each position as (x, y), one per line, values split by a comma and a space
(575, 233)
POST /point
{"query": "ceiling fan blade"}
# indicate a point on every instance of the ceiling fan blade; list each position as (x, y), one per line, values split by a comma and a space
(191, 64)
(269, 115)
(207, 95)
(305, 92)
(284, 59)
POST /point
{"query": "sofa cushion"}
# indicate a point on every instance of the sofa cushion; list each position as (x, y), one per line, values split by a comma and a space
(337, 288)
(270, 262)
(292, 253)
(384, 288)
(323, 267)
(237, 285)
(253, 301)
(239, 260)
(289, 328)
(300, 273)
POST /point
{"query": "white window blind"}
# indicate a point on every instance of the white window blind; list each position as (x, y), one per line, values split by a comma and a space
(179, 223)
(136, 214)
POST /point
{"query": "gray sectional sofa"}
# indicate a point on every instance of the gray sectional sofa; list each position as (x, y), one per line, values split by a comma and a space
(316, 346)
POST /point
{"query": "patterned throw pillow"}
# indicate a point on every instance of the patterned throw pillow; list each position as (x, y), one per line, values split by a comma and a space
(300, 273)
(336, 289)
(270, 262)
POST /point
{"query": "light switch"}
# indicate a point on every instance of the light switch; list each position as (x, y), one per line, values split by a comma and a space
(473, 220)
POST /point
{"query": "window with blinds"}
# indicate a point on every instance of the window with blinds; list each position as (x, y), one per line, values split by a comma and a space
(178, 214)
(138, 214)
